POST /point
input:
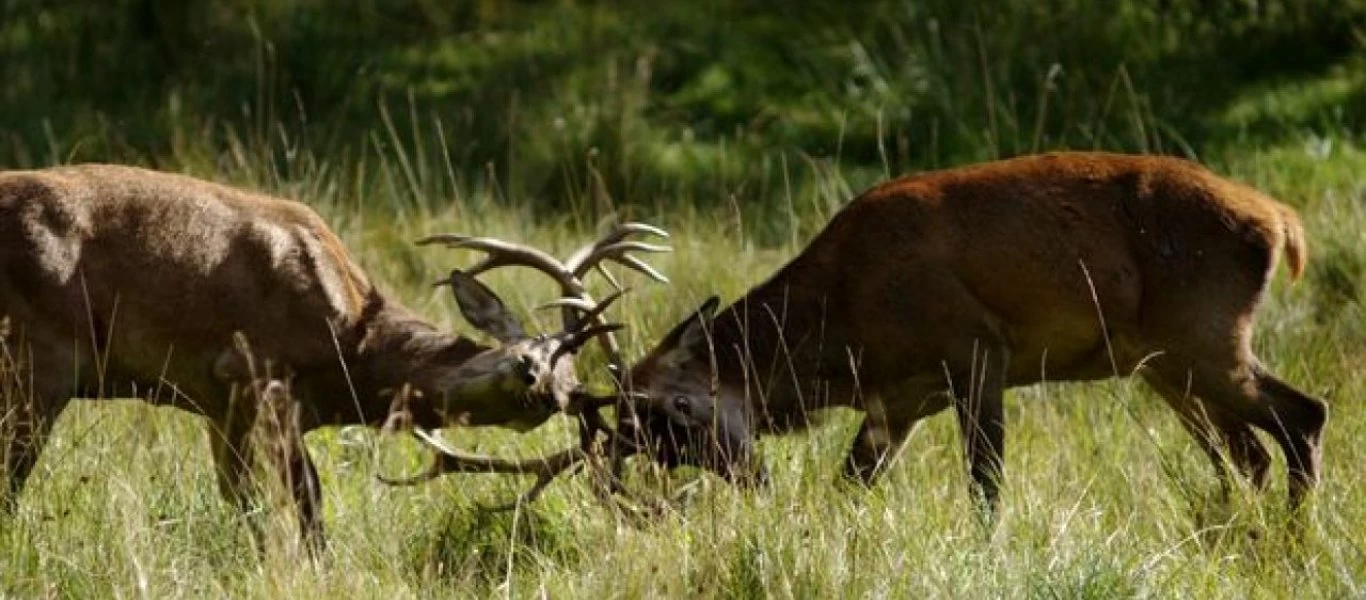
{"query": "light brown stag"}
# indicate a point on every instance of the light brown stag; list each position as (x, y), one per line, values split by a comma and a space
(945, 288)
(124, 282)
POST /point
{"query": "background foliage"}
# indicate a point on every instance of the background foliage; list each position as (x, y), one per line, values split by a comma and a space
(641, 102)
(741, 126)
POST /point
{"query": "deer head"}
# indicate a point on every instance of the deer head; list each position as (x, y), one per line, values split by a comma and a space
(683, 414)
(537, 371)
(538, 366)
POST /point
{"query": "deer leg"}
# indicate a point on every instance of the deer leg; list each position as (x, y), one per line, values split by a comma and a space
(26, 424)
(230, 442)
(884, 432)
(254, 391)
(1248, 453)
(308, 499)
(1213, 428)
(295, 467)
(979, 399)
(1300, 420)
(299, 475)
(1293, 418)
(29, 406)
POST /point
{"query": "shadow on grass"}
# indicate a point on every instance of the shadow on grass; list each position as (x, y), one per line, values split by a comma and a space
(489, 549)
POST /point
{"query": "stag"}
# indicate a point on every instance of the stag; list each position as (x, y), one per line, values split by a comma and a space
(945, 288)
(124, 282)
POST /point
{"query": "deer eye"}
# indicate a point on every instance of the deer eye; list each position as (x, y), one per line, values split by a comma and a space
(683, 406)
(527, 369)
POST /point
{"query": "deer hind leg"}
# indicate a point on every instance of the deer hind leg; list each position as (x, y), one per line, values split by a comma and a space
(1294, 419)
(1299, 420)
(1213, 430)
(885, 429)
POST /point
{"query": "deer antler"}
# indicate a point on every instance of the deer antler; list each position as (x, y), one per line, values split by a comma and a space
(613, 246)
(546, 468)
(508, 254)
(452, 460)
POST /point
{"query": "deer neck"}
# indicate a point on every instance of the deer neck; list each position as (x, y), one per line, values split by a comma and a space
(397, 347)
(781, 345)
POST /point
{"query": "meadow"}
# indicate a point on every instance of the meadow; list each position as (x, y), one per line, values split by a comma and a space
(1106, 495)
(541, 121)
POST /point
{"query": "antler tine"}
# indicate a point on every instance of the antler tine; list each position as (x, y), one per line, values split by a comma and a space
(611, 279)
(451, 460)
(618, 252)
(591, 311)
(502, 253)
(639, 265)
(646, 228)
(575, 340)
(636, 245)
(613, 235)
(613, 245)
(567, 302)
(543, 481)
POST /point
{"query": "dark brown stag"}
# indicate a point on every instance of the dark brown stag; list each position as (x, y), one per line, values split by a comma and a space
(124, 282)
(945, 288)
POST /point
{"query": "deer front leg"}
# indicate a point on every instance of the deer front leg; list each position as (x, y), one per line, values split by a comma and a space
(979, 398)
(308, 498)
(230, 442)
(886, 425)
(24, 426)
(34, 389)
(256, 391)
(292, 462)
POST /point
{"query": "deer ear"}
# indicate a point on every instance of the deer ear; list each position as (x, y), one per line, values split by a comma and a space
(689, 340)
(483, 308)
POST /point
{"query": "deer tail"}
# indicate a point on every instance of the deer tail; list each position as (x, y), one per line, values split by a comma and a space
(1296, 252)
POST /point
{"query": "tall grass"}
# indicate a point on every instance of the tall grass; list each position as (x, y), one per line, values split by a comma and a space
(1106, 496)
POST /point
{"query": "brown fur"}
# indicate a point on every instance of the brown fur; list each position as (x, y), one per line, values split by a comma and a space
(946, 287)
(127, 282)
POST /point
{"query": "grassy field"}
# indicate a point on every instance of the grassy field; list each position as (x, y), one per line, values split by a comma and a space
(1106, 495)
